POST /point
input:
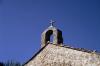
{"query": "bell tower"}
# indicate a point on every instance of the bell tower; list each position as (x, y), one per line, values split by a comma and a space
(51, 30)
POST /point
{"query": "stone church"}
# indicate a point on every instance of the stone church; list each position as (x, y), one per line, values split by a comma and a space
(55, 53)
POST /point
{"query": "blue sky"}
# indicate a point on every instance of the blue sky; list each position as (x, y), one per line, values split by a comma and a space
(23, 21)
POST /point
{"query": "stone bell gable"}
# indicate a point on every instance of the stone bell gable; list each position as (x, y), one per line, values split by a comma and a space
(57, 36)
(57, 54)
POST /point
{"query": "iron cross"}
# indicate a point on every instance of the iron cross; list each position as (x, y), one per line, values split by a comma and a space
(52, 23)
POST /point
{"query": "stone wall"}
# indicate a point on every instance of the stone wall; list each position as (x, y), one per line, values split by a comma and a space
(53, 55)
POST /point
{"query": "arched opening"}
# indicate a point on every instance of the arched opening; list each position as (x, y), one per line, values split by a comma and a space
(49, 37)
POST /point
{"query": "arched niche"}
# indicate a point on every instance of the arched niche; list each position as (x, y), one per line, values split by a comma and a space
(57, 36)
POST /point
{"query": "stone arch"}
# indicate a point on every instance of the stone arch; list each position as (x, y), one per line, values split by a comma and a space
(57, 36)
(48, 35)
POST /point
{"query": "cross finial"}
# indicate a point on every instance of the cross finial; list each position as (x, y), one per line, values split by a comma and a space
(52, 23)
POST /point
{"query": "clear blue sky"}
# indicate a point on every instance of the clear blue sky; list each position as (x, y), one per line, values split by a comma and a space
(23, 21)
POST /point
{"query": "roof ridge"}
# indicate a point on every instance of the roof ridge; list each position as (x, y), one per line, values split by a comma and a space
(79, 49)
(35, 55)
(64, 46)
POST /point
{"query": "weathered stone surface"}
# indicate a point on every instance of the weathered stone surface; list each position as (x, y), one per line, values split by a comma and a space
(57, 36)
(56, 54)
(53, 55)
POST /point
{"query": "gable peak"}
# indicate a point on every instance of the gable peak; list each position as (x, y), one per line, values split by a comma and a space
(51, 31)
